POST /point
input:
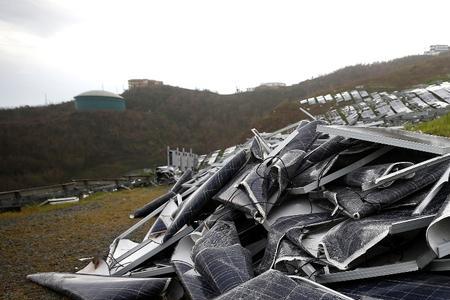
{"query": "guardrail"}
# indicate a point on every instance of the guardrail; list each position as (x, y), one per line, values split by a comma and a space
(15, 199)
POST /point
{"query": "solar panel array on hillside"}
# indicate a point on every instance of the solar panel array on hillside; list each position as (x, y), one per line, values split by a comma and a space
(393, 108)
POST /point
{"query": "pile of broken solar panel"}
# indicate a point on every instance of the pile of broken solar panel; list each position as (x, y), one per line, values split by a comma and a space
(393, 108)
(305, 215)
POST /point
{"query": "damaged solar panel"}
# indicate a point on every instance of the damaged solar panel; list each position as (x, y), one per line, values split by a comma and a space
(393, 137)
(310, 211)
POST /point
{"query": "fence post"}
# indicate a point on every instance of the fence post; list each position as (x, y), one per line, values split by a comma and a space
(86, 185)
(64, 188)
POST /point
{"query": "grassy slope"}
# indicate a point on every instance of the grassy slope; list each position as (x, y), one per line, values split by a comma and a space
(45, 145)
(439, 126)
(53, 238)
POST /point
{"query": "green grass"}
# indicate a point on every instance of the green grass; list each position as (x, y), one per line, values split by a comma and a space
(439, 126)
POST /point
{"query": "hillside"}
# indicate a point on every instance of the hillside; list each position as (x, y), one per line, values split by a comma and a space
(392, 75)
(43, 145)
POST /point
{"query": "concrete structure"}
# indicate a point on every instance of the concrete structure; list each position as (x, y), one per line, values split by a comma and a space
(181, 159)
(437, 49)
(142, 83)
(270, 85)
(99, 100)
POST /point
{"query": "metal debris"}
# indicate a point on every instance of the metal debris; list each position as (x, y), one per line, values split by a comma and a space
(305, 212)
(386, 108)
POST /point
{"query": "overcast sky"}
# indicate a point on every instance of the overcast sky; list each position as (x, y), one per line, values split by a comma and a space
(61, 48)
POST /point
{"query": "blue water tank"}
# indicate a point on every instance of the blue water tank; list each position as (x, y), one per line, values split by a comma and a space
(99, 100)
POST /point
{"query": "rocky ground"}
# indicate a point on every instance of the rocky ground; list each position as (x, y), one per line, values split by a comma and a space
(54, 238)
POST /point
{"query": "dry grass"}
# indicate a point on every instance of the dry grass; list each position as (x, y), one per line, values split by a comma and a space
(53, 238)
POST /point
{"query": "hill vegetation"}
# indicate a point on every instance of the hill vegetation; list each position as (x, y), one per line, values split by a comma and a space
(51, 144)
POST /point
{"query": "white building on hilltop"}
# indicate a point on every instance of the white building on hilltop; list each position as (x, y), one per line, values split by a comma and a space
(437, 49)
(142, 83)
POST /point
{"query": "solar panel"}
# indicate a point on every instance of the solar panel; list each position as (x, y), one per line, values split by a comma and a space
(338, 97)
(328, 97)
(158, 226)
(193, 205)
(275, 285)
(364, 94)
(347, 241)
(356, 95)
(399, 107)
(213, 157)
(440, 92)
(282, 226)
(312, 101)
(346, 96)
(427, 97)
(412, 286)
(392, 137)
(359, 204)
(320, 99)
(81, 286)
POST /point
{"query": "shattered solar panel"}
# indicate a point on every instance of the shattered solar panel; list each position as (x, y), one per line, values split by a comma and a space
(328, 98)
(320, 99)
(356, 96)
(399, 107)
(193, 205)
(338, 97)
(275, 285)
(201, 159)
(364, 93)
(368, 114)
(393, 137)
(310, 211)
(400, 287)
(346, 96)
(219, 257)
(312, 101)
(346, 242)
(282, 226)
(440, 92)
(428, 98)
(416, 101)
(383, 109)
(335, 118)
(101, 287)
(358, 204)
(350, 114)
(212, 159)
(437, 232)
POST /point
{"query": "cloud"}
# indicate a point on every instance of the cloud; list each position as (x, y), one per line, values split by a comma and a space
(39, 17)
(216, 45)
